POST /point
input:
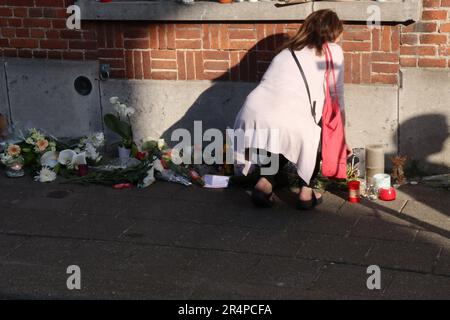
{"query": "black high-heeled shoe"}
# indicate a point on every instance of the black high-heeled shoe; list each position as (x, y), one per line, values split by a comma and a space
(262, 199)
(309, 204)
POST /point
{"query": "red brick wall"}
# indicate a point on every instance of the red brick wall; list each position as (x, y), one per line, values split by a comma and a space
(427, 43)
(238, 52)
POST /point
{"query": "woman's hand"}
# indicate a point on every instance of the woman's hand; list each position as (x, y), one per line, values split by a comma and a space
(349, 150)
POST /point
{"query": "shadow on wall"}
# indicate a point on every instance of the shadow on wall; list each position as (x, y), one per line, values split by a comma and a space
(420, 138)
(218, 106)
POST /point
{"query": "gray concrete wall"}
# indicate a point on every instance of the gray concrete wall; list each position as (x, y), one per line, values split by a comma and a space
(41, 93)
(162, 106)
(4, 106)
(424, 117)
(371, 115)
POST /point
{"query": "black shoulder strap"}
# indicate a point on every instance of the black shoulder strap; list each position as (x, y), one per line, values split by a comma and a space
(313, 105)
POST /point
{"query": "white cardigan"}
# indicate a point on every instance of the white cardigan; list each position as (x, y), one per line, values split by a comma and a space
(281, 102)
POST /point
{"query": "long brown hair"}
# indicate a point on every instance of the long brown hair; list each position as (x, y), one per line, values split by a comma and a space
(318, 28)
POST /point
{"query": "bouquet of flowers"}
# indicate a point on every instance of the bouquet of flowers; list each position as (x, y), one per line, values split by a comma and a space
(35, 144)
(168, 164)
(65, 161)
(11, 155)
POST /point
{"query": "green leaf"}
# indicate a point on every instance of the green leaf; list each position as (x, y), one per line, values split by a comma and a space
(118, 126)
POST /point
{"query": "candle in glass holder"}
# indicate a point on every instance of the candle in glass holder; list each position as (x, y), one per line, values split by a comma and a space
(15, 170)
(16, 166)
(374, 161)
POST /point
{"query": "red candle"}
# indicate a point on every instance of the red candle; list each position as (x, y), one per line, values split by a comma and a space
(387, 194)
(353, 191)
(82, 170)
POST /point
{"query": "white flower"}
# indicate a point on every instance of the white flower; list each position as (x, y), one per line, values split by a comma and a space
(129, 111)
(49, 159)
(98, 139)
(157, 165)
(121, 109)
(114, 100)
(71, 159)
(6, 158)
(91, 152)
(149, 179)
(161, 144)
(65, 157)
(78, 159)
(175, 156)
(36, 135)
(45, 175)
(29, 141)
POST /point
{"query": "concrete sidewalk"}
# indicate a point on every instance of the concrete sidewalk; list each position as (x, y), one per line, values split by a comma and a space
(176, 242)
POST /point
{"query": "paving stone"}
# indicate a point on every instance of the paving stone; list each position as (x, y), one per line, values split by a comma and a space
(99, 228)
(335, 248)
(443, 264)
(432, 197)
(272, 242)
(284, 272)
(164, 260)
(154, 232)
(384, 210)
(99, 256)
(340, 281)
(217, 197)
(403, 256)
(239, 291)
(433, 238)
(10, 243)
(222, 266)
(413, 286)
(174, 242)
(331, 223)
(32, 281)
(160, 190)
(119, 285)
(434, 217)
(44, 251)
(185, 234)
(211, 236)
(178, 210)
(377, 228)
(37, 222)
(42, 200)
(275, 219)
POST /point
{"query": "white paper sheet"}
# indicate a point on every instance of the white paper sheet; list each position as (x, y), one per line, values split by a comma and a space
(216, 182)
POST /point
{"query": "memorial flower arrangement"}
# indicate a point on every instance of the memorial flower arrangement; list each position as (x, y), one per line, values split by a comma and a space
(47, 157)
(36, 143)
(12, 154)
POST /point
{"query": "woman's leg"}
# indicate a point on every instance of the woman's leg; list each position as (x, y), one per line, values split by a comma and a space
(305, 189)
(267, 181)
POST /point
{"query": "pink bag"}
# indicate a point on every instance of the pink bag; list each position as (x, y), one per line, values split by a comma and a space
(334, 147)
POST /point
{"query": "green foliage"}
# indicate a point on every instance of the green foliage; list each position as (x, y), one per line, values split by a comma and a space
(122, 128)
(132, 175)
(151, 147)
